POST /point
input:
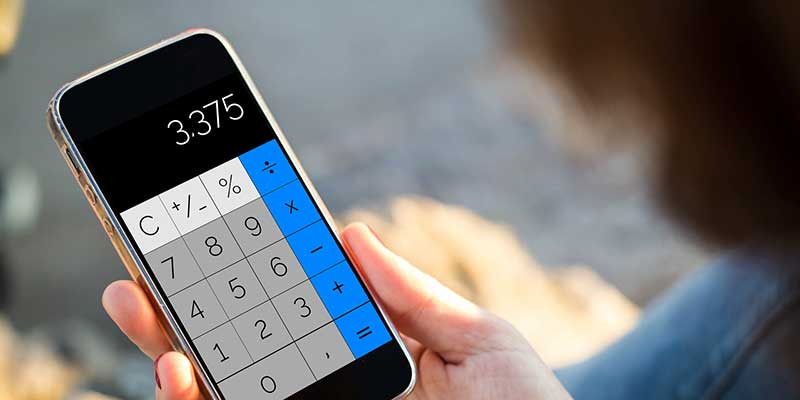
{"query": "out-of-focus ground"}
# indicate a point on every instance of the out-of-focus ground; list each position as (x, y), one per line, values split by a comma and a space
(378, 99)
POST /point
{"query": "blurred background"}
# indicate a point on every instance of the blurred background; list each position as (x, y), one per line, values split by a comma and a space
(379, 99)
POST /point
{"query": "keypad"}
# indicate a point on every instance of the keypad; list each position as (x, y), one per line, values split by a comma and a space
(256, 277)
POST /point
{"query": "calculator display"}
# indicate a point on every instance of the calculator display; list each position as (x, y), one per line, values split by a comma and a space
(231, 236)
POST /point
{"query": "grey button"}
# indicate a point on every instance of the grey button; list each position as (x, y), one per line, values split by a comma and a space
(277, 268)
(222, 351)
(275, 377)
(253, 226)
(237, 288)
(262, 330)
(325, 350)
(213, 246)
(173, 266)
(301, 309)
(198, 309)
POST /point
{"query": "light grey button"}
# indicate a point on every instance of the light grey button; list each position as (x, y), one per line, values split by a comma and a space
(237, 288)
(253, 226)
(173, 266)
(262, 330)
(277, 268)
(229, 186)
(213, 246)
(301, 309)
(275, 377)
(222, 351)
(198, 309)
(189, 205)
(150, 225)
(325, 350)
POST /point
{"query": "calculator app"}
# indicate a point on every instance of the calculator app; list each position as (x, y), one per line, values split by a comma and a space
(255, 276)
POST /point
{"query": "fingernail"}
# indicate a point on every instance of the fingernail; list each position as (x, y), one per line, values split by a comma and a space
(155, 369)
(376, 235)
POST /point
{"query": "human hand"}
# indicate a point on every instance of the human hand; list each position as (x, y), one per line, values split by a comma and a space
(460, 350)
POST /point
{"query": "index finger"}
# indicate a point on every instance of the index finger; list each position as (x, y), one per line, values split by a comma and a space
(127, 304)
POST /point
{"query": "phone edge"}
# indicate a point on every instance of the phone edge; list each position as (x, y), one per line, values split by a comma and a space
(123, 246)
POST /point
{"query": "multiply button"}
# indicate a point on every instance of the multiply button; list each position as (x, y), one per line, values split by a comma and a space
(339, 289)
(291, 207)
(268, 167)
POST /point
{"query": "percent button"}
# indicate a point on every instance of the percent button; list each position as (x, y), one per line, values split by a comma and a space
(228, 184)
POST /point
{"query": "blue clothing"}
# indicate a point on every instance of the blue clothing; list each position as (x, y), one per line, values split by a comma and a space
(730, 330)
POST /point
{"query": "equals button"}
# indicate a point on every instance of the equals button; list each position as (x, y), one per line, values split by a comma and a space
(364, 332)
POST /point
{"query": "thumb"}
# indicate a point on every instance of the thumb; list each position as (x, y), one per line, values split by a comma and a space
(418, 304)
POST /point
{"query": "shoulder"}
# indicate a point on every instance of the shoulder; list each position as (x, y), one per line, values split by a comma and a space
(724, 331)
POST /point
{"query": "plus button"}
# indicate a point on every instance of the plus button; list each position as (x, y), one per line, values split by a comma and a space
(337, 287)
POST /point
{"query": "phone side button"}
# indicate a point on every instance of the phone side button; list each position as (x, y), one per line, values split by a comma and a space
(87, 190)
(108, 227)
(73, 164)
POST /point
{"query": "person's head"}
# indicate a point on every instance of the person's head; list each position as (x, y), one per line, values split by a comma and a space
(718, 81)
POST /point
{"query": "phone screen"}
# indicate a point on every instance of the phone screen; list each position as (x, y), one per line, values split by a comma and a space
(228, 231)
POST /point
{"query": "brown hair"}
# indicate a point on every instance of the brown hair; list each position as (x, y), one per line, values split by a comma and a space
(720, 80)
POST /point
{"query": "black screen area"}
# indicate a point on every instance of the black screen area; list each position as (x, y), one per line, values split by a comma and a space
(120, 120)
(142, 157)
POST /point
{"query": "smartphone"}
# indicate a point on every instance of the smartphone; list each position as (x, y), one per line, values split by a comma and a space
(212, 214)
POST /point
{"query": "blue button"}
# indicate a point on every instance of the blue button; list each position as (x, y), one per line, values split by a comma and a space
(268, 167)
(363, 330)
(339, 289)
(291, 207)
(315, 248)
